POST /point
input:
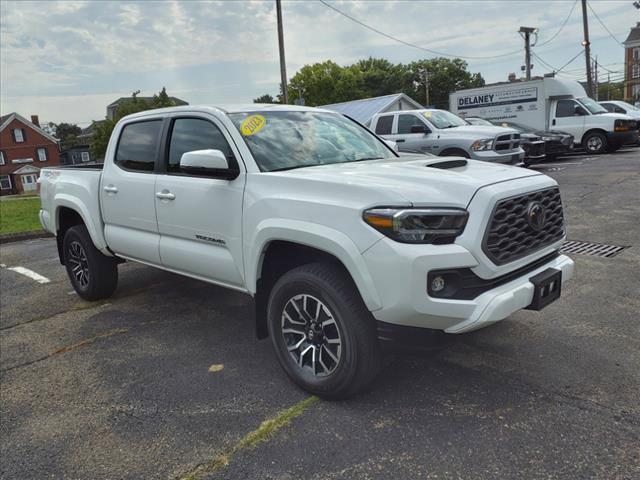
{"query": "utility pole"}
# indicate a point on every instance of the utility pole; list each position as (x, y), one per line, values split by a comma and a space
(608, 86)
(596, 83)
(283, 68)
(527, 48)
(587, 48)
(426, 87)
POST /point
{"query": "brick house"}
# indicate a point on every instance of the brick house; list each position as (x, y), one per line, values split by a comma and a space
(632, 65)
(24, 149)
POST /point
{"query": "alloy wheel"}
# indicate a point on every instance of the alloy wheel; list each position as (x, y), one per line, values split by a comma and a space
(77, 258)
(311, 335)
(594, 144)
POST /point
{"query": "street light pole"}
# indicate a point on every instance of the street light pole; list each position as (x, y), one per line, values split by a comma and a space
(283, 68)
(587, 48)
(426, 87)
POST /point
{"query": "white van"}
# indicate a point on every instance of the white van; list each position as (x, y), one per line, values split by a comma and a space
(549, 104)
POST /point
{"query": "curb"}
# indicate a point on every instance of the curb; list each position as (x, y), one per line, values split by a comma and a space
(18, 237)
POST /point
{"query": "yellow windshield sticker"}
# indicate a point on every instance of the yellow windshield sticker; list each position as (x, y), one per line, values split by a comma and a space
(427, 114)
(505, 124)
(252, 125)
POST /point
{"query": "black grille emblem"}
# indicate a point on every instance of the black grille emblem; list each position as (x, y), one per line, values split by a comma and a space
(536, 216)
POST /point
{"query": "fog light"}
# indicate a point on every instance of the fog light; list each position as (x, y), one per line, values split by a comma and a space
(437, 284)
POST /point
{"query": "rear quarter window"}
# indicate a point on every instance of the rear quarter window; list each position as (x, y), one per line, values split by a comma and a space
(383, 125)
(138, 146)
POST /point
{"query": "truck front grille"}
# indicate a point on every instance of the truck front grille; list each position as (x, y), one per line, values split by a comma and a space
(506, 142)
(513, 233)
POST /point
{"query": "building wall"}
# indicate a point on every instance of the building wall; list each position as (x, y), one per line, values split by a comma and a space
(26, 150)
(629, 80)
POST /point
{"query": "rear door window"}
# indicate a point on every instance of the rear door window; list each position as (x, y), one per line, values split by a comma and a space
(383, 126)
(138, 146)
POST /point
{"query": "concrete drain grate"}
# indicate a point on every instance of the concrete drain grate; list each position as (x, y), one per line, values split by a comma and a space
(594, 249)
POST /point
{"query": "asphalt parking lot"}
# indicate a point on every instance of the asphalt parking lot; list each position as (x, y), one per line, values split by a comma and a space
(166, 379)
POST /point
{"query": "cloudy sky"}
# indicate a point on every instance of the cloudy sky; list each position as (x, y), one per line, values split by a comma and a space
(67, 60)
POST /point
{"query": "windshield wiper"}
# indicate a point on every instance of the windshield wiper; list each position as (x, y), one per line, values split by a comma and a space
(367, 158)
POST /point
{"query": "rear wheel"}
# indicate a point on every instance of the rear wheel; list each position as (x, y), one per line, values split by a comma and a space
(324, 336)
(595, 142)
(92, 274)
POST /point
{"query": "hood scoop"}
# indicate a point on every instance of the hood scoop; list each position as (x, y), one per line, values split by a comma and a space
(447, 164)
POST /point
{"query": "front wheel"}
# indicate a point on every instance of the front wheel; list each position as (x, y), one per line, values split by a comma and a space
(595, 143)
(324, 336)
(92, 274)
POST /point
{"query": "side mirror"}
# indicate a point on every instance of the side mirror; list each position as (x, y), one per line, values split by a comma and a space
(208, 163)
(418, 129)
(578, 110)
(392, 144)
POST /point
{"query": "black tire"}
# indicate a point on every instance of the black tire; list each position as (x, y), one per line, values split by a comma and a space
(357, 350)
(455, 153)
(92, 274)
(595, 143)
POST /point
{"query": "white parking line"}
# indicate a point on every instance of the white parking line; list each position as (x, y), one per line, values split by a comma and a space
(30, 273)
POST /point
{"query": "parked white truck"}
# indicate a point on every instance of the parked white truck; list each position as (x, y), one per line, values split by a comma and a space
(549, 104)
(334, 236)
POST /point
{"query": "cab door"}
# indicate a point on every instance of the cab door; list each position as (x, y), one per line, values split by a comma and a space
(127, 192)
(569, 116)
(412, 134)
(199, 217)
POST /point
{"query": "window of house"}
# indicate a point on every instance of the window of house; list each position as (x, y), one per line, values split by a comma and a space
(636, 53)
(85, 156)
(42, 154)
(191, 134)
(405, 122)
(18, 135)
(1, 157)
(138, 146)
(635, 71)
(383, 127)
(5, 182)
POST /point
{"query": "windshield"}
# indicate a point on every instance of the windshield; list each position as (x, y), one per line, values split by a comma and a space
(443, 119)
(591, 105)
(628, 106)
(284, 140)
(479, 121)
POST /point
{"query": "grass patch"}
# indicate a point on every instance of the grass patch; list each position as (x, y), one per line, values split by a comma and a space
(266, 430)
(20, 215)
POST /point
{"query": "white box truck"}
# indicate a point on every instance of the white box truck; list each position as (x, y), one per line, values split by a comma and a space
(549, 104)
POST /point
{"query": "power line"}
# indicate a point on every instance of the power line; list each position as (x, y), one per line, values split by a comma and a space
(413, 45)
(558, 70)
(603, 25)
(561, 26)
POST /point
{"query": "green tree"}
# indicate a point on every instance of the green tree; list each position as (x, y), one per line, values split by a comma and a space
(67, 134)
(103, 129)
(611, 91)
(326, 82)
(266, 98)
(445, 76)
(381, 77)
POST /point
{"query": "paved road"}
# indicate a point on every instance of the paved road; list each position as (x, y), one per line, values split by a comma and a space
(123, 388)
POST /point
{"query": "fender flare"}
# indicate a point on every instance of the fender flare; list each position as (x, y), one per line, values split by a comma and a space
(67, 201)
(316, 236)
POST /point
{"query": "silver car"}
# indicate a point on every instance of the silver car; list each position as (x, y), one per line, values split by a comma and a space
(442, 133)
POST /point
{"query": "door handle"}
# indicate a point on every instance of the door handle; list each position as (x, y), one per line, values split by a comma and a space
(553, 122)
(165, 195)
(110, 189)
(400, 140)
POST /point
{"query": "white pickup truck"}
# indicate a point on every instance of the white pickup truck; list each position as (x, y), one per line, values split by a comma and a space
(338, 240)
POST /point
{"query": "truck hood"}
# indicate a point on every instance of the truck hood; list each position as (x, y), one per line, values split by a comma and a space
(615, 116)
(477, 131)
(416, 179)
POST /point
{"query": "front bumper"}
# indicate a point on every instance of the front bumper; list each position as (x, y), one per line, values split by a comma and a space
(514, 156)
(399, 272)
(622, 138)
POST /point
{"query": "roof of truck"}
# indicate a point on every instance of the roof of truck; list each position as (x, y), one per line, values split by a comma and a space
(230, 108)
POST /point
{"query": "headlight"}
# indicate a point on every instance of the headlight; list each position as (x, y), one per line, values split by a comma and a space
(622, 125)
(483, 144)
(418, 225)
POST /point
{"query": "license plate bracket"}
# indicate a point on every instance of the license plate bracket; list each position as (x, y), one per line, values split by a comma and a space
(547, 287)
